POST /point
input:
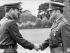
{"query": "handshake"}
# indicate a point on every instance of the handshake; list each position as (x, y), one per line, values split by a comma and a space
(37, 47)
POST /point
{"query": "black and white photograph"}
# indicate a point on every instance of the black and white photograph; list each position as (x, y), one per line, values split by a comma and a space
(34, 26)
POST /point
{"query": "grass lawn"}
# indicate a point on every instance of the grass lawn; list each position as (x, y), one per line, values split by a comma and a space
(36, 36)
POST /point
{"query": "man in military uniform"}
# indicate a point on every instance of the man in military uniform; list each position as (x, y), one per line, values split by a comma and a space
(9, 32)
(59, 40)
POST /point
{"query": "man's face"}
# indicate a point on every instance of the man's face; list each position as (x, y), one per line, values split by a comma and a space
(17, 13)
(49, 12)
(52, 16)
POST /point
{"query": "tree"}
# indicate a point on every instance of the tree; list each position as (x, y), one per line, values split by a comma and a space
(27, 16)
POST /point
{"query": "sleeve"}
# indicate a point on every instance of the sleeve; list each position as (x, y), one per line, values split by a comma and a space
(17, 37)
(45, 44)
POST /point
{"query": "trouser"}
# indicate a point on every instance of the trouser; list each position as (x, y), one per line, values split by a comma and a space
(8, 50)
(57, 50)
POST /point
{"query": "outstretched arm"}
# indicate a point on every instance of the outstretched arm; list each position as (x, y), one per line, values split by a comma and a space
(17, 37)
(45, 44)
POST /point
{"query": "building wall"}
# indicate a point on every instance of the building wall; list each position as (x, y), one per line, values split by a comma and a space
(2, 12)
(67, 10)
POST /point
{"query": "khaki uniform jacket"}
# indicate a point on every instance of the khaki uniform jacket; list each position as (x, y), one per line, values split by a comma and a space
(9, 34)
(61, 34)
(64, 34)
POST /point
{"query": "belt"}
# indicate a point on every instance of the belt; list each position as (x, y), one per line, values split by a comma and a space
(7, 46)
